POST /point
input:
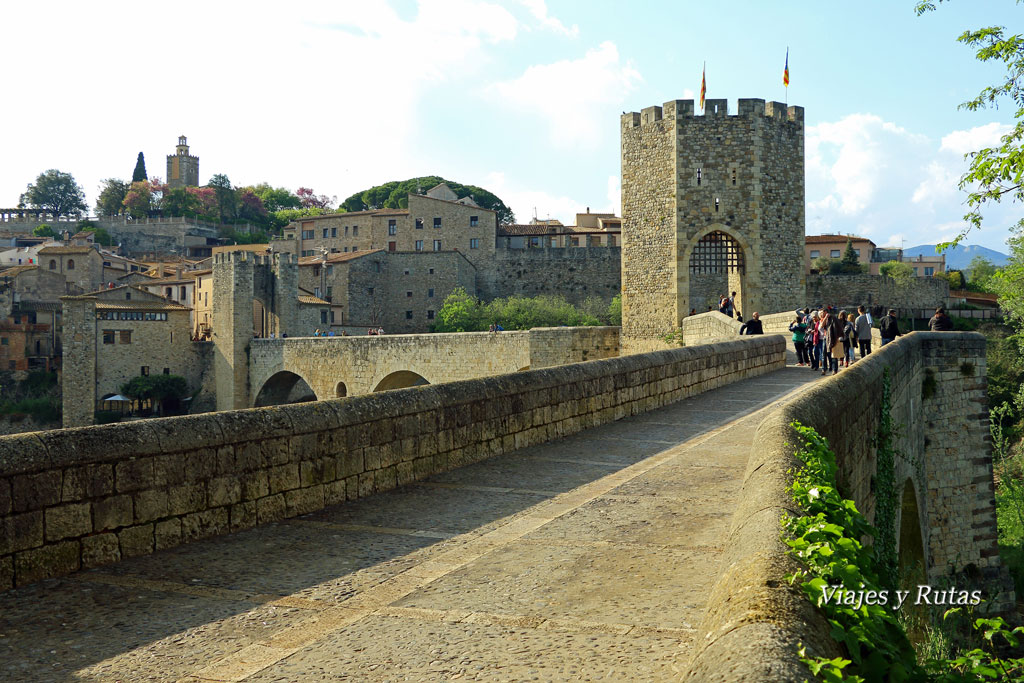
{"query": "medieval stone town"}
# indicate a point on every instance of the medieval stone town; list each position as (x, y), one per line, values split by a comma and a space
(257, 435)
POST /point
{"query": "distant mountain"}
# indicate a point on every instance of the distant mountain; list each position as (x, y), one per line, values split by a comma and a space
(958, 257)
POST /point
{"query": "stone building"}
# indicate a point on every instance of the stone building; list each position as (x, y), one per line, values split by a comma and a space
(30, 318)
(81, 266)
(710, 204)
(182, 167)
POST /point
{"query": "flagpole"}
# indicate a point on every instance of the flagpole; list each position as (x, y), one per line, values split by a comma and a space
(787, 76)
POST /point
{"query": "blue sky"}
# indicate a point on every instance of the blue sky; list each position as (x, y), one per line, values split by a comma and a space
(522, 98)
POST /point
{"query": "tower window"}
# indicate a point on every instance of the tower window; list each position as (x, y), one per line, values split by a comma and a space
(734, 176)
(716, 204)
(698, 177)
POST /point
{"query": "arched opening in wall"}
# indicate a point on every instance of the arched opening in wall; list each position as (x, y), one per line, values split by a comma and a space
(284, 387)
(911, 565)
(341, 390)
(400, 380)
(259, 319)
(717, 268)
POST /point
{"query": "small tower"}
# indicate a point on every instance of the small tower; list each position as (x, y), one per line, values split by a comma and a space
(182, 167)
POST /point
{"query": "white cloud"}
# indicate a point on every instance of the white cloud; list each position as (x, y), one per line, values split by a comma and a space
(963, 141)
(614, 195)
(539, 10)
(575, 97)
(941, 183)
(525, 202)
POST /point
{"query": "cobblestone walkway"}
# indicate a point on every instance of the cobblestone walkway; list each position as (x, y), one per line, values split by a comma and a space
(588, 558)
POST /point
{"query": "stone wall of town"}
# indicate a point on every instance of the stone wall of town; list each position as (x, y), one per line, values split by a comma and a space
(685, 177)
(79, 498)
(850, 291)
(574, 273)
(551, 346)
(943, 477)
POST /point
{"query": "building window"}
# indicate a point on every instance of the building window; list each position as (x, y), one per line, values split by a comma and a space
(332, 317)
(437, 222)
(325, 232)
(575, 241)
(474, 221)
(167, 292)
(53, 265)
(430, 294)
(308, 252)
(323, 317)
(392, 246)
(346, 250)
(915, 272)
(71, 264)
(167, 371)
(408, 294)
(431, 271)
(437, 245)
(408, 315)
(430, 315)
(474, 243)
(419, 223)
(370, 291)
(330, 270)
(144, 371)
(182, 297)
(334, 232)
(392, 227)
(857, 252)
(4, 341)
(929, 271)
(419, 245)
(355, 231)
(330, 289)
(834, 253)
(815, 253)
(346, 231)
(307, 234)
(126, 336)
(355, 248)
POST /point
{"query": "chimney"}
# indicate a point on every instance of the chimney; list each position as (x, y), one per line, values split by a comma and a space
(177, 272)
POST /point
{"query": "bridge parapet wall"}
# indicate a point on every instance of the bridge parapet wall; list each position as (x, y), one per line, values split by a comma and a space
(755, 620)
(79, 498)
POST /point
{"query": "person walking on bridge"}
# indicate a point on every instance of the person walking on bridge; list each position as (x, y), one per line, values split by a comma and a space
(832, 346)
(889, 327)
(940, 322)
(799, 328)
(752, 326)
(863, 327)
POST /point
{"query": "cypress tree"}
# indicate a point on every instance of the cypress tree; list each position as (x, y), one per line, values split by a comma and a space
(140, 169)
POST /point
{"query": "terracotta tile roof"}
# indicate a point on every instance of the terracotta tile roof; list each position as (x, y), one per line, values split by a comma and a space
(139, 306)
(335, 258)
(65, 250)
(310, 299)
(829, 239)
(526, 229)
(38, 306)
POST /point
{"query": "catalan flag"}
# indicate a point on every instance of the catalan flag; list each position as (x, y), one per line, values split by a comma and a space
(703, 87)
(785, 74)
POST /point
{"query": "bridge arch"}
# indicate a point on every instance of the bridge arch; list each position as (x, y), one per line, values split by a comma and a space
(284, 387)
(912, 563)
(717, 260)
(340, 390)
(400, 380)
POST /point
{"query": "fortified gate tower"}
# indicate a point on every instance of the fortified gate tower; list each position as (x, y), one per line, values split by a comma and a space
(711, 204)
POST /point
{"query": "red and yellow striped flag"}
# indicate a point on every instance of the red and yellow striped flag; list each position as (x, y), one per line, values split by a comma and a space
(785, 74)
(703, 88)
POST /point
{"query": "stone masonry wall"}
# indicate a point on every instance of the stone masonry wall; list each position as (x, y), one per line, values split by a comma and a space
(551, 346)
(847, 291)
(79, 498)
(575, 273)
(755, 619)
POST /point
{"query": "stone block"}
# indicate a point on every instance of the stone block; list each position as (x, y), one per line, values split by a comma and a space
(169, 470)
(112, 512)
(134, 475)
(275, 451)
(270, 508)
(365, 486)
(21, 532)
(311, 472)
(5, 497)
(202, 465)
(48, 561)
(6, 573)
(204, 524)
(406, 473)
(136, 540)
(242, 516)
(186, 498)
(99, 550)
(334, 492)
(150, 505)
(385, 479)
(303, 501)
(167, 533)
(283, 478)
(254, 485)
(223, 491)
(36, 491)
(248, 457)
(68, 521)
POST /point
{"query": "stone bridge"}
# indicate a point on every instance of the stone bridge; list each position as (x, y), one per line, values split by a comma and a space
(616, 518)
(288, 370)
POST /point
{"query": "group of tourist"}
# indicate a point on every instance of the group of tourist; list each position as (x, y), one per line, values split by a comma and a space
(375, 331)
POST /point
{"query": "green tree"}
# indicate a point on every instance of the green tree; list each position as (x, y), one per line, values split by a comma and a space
(164, 390)
(140, 169)
(994, 172)
(897, 270)
(954, 277)
(111, 198)
(138, 201)
(275, 198)
(100, 235)
(44, 230)
(850, 258)
(615, 311)
(57, 192)
(460, 313)
(227, 200)
(395, 195)
(181, 202)
(979, 274)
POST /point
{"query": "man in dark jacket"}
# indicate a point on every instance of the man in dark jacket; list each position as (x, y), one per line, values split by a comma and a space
(940, 322)
(752, 326)
(889, 327)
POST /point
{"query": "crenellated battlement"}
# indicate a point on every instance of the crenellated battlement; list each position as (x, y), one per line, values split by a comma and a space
(747, 107)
